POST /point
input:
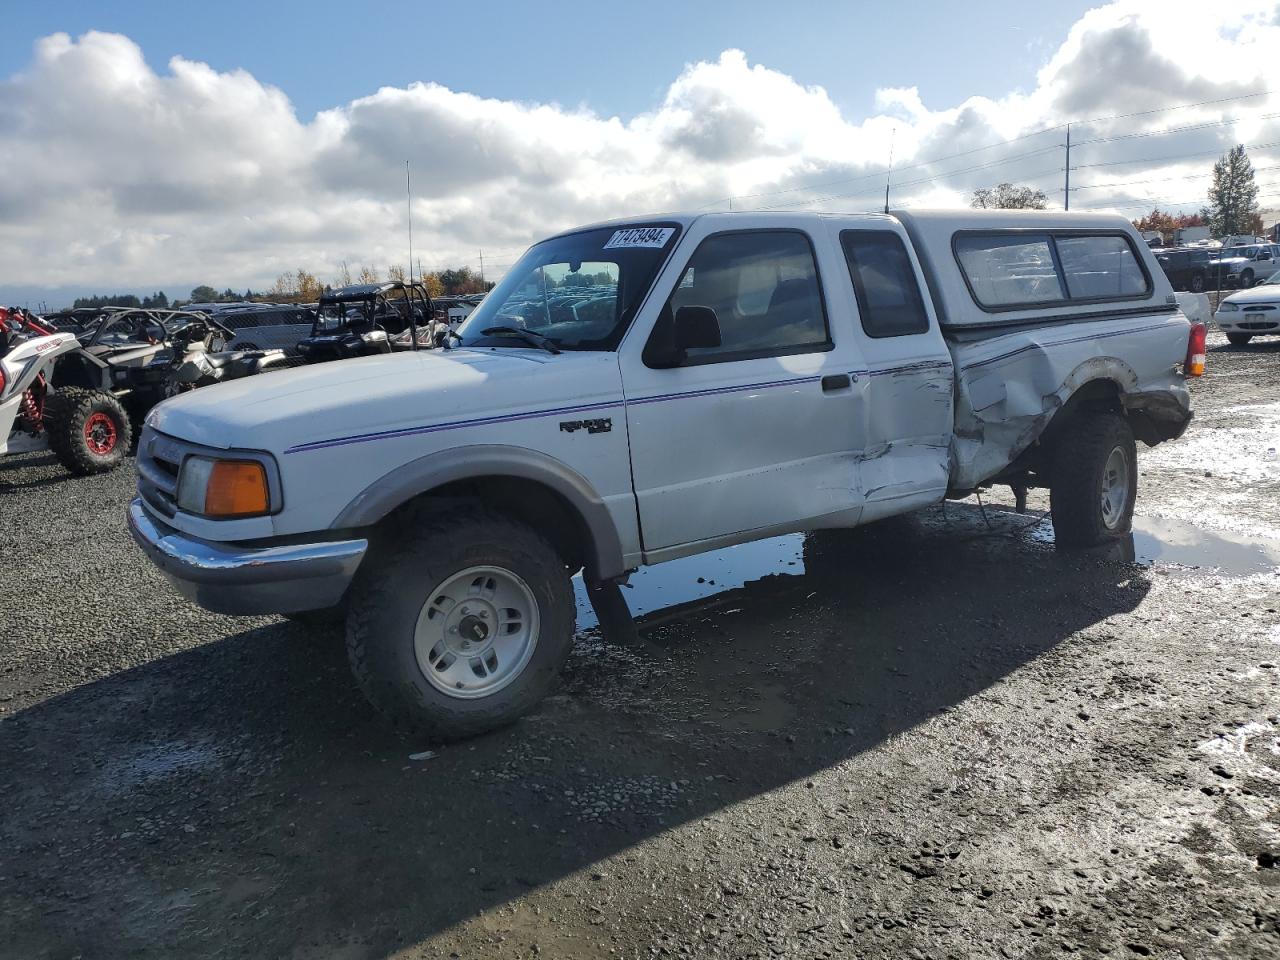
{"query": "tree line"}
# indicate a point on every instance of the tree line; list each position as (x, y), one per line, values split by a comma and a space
(300, 286)
(1232, 206)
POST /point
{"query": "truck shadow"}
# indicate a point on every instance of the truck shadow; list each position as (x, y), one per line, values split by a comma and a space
(240, 798)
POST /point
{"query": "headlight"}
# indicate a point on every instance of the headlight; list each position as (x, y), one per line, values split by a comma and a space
(1227, 307)
(223, 488)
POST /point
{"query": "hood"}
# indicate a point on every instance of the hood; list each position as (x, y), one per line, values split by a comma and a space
(280, 409)
(1262, 293)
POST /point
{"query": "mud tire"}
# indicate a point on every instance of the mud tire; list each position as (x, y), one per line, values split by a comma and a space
(391, 590)
(67, 415)
(1079, 464)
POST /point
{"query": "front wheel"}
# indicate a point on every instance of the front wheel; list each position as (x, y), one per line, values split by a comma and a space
(1197, 283)
(1094, 481)
(1246, 280)
(463, 627)
(1239, 339)
(89, 431)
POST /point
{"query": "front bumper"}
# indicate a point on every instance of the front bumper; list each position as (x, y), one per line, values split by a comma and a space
(245, 580)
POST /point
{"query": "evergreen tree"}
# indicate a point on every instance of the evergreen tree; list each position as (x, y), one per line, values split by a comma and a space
(1233, 196)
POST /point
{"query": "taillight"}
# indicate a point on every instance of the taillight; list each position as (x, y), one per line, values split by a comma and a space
(1, 381)
(1193, 366)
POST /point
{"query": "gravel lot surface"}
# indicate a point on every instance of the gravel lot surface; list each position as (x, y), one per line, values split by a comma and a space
(934, 739)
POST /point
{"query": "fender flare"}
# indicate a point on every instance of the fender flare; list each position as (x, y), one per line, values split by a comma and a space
(604, 551)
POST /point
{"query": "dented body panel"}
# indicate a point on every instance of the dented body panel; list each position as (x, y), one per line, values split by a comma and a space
(1017, 366)
(1009, 387)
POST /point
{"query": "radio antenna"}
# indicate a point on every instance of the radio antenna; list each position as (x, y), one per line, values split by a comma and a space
(889, 172)
(408, 204)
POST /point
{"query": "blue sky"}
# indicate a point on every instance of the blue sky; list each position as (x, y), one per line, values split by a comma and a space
(617, 58)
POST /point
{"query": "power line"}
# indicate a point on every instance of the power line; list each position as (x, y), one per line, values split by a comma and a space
(1182, 106)
(1183, 129)
(1190, 176)
(1001, 143)
(1180, 156)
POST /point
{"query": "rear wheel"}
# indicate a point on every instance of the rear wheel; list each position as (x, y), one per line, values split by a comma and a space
(1196, 285)
(89, 431)
(463, 627)
(1094, 481)
(1239, 339)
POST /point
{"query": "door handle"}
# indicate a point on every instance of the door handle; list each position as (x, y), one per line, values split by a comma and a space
(835, 381)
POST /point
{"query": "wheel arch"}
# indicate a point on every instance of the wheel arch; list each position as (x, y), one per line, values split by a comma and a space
(525, 484)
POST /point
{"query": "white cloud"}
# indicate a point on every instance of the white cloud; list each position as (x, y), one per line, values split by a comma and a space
(115, 175)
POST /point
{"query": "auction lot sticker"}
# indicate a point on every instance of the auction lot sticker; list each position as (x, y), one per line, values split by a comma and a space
(640, 237)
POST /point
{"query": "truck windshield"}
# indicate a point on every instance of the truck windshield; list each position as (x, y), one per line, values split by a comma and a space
(579, 291)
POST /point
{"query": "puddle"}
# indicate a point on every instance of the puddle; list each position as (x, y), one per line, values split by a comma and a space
(676, 582)
(1182, 544)
(157, 763)
(1155, 542)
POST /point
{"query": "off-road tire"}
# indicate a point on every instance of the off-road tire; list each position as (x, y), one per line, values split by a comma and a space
(66, 415)
(1079, 459)
(1239, 339)
(388, 596)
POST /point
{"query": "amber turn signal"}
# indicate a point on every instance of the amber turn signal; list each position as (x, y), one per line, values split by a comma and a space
(1193, 365)
(237, 488)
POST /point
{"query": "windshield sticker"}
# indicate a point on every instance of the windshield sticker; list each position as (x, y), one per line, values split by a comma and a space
(640, 237)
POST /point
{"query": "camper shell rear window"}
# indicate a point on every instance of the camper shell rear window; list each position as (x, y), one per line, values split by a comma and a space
(1028, 269)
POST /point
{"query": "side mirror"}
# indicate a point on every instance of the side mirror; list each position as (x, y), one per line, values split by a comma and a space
(674, 334)
(697, 327)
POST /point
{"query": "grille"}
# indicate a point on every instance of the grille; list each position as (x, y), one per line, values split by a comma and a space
(159, 458)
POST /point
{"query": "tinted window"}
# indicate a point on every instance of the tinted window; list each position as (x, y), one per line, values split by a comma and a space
(1007, 270)
(889, 300)
(765, 292)
(1099, 267)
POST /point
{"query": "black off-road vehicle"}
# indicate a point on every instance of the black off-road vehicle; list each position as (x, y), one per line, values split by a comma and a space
(370, 318)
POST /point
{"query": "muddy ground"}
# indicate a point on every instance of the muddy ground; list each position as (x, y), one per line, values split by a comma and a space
(938, 739)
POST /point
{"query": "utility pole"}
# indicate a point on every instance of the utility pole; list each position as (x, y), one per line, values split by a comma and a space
(482, 266)
(1066, 185)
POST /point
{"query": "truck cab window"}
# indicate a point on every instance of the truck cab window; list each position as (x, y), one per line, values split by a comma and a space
(884, 283)
(764, 289)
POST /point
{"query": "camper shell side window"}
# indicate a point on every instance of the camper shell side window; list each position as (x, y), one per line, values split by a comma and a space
(1016, 269)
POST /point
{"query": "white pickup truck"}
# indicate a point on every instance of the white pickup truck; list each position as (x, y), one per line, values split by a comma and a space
(642, 390)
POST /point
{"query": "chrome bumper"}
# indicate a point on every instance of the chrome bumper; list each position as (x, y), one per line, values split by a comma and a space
(240, 580)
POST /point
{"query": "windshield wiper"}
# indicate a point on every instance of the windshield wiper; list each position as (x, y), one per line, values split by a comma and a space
(528, 336)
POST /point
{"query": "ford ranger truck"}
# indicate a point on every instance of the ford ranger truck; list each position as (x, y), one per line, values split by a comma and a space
(642, 390)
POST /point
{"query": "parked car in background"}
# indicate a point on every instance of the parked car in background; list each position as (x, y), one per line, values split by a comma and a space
(1187, 268)
(1251, 313)
(1243, 266)
(265, 326)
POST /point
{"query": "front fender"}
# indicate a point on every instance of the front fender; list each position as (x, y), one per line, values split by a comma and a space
(492, 460)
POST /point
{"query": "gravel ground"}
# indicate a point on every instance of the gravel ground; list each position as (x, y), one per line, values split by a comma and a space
(934, 739)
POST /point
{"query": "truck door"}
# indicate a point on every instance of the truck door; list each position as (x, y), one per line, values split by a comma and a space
(757, 434)
(907, 398)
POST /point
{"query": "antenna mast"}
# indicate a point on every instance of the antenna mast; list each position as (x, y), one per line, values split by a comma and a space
(408, 198)
(889, 172)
